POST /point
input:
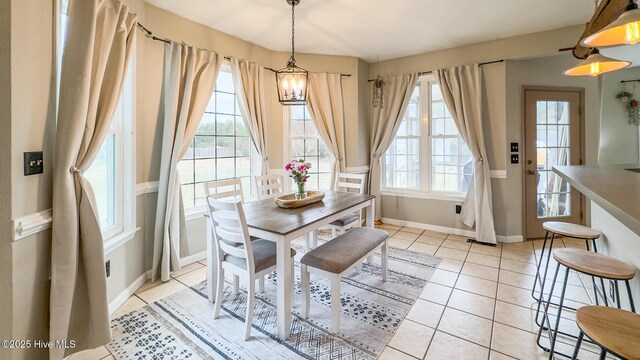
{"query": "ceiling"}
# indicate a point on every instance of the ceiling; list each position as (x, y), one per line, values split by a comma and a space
(379, 29)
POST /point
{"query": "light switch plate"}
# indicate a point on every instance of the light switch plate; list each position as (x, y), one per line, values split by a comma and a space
(515, 158)
(33, 163)
(515, 147)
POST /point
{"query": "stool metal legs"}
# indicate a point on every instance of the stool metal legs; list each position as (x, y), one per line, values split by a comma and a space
(553, 334)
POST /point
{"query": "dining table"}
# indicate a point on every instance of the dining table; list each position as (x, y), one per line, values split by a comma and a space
(267, 221)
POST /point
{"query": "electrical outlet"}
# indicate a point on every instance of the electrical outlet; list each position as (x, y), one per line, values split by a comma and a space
(458, 209)
(107, 267)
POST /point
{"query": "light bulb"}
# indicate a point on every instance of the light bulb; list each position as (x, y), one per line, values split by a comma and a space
(595, 69)
(632, 33)
(285, 84)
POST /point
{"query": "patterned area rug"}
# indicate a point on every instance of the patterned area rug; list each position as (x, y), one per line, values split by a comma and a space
(181, 326)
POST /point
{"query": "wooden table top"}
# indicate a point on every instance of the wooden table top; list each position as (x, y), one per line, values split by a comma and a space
(266, 215)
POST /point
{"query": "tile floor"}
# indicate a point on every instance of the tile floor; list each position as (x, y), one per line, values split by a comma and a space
(476, 306)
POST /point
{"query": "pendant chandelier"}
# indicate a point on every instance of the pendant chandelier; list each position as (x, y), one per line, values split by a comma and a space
(624, 30)
(596, 64)
(291, 81)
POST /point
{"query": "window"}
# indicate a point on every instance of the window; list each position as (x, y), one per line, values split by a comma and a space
(112, 172)
(427, 154)
(221, 149)
(305, 143)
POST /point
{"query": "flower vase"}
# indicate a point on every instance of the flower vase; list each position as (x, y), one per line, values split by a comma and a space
(301, 193)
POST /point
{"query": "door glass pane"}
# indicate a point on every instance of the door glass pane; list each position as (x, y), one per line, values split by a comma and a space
(552, 142)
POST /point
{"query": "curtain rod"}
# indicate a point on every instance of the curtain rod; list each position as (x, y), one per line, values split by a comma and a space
(149, 34)
(628, 81)
(480, 64)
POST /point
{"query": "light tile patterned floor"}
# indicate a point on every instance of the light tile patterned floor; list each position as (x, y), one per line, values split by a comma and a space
(476, 306)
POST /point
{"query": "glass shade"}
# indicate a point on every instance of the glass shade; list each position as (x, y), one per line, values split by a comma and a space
(292, 85)
(596, 64)
(624, 30)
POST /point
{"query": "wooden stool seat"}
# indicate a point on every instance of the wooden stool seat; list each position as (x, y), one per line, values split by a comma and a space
(616, 330)
(571, 230)
(594, 264)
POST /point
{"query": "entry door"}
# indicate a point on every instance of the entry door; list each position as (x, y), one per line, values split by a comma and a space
(552, 138)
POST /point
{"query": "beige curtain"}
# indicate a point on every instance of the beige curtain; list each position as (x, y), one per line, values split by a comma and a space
(326, 107)
(462, 91)
(97, 51)
(189, 78)
(249, 80)
(385, 122)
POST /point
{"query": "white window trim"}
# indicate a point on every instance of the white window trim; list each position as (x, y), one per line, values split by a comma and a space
(286, 126)
(424, 192)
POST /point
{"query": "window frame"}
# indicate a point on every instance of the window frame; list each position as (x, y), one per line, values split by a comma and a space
(425, 141)
(286, 126)
(193, 212)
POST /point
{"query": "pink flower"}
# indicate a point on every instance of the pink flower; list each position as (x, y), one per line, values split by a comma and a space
(300, 168)
(287, 167)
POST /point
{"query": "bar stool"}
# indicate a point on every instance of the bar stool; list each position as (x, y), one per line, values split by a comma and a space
(615, 331)
(570, 230)
(589, 263)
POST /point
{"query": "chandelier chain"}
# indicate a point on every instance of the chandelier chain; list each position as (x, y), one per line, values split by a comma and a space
(293, 30)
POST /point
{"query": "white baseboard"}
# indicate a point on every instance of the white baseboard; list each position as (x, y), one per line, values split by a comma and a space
(442, 229)
(448, 230)
(510, 239)
(193, 258)
(126, 294)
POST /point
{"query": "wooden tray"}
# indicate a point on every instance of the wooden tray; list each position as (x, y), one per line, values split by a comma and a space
(289, 201)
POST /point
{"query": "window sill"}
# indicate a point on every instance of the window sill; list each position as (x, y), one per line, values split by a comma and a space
(416, 194)
(118, 240)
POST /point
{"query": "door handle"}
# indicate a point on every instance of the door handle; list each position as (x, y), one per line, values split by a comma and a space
(531, 172)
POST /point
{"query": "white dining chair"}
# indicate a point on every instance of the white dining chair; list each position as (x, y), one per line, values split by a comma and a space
(237, 254)
(269, 186)
(224, 189)
(229, 191)
(346, 182)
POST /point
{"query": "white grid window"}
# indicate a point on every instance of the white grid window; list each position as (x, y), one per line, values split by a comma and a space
(221, 149)
(305, 143)
(427, 155)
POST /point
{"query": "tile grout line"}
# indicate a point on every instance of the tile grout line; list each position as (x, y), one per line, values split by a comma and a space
(495, 305)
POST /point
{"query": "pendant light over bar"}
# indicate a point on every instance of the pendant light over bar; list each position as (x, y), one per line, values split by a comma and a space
(624, 30)
(291, 81)
(596, 64)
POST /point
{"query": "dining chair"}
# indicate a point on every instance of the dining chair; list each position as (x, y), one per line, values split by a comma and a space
(237, 254)
(220, 189)
(346, 182)
(228, 190)
(269, 186)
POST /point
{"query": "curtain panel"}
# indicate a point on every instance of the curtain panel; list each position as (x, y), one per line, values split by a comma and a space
(326, 107)
(385, 122)
(188, 81)
(462, 91)
(97, 52)
(249, 80)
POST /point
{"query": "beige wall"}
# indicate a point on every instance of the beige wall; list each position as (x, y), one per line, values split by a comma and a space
(6, 291)
(618, 138)
(32, 117)
(502, 83)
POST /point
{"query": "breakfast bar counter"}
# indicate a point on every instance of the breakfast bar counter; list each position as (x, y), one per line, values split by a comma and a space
(614, 191)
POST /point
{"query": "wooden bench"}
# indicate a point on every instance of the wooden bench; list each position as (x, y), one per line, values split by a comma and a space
(335, 258)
